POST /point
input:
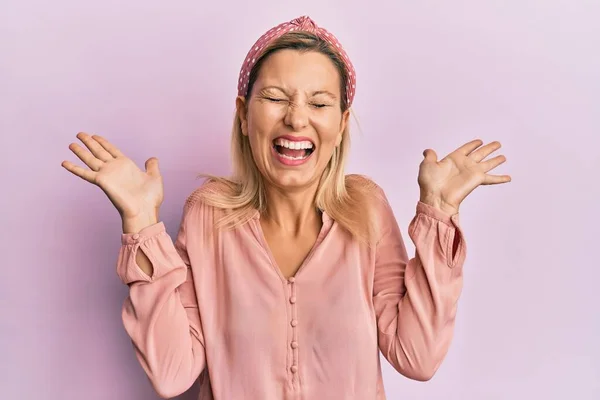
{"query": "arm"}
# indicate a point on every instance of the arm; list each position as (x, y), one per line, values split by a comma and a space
(416, 299)
(135, 226)
(161, 314)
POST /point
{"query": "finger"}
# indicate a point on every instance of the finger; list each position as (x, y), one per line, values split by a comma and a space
(467, 148)
(83, 173)
(109, 147)
(152, 166)
(94, 147)
(430, 155)
(485, 151)
(496, 179)
(85, 156)
(492, 163)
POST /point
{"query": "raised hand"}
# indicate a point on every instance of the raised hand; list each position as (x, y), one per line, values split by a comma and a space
(446, 183)
(135, 193)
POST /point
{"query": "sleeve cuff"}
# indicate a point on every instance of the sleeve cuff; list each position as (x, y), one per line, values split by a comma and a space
(446, 236)
(435, 213)
(146, 233)
(156, 244)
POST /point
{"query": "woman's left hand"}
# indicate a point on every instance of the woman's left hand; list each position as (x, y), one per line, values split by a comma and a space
(446, 183)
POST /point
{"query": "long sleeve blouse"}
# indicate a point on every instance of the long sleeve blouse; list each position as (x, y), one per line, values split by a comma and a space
(218, 308)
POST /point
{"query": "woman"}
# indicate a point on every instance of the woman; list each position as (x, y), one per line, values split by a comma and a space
(285, 280)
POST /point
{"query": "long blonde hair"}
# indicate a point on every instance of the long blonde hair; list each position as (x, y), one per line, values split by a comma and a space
(347, 199)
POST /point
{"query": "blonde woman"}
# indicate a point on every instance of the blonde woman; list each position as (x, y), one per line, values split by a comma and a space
(288, 278)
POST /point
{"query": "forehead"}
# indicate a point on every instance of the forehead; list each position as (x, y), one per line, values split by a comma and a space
(297, 70)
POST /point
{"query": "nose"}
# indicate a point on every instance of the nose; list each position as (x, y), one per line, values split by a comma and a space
(296, 116)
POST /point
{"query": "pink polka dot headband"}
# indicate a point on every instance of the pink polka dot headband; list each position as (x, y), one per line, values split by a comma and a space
(304, 24)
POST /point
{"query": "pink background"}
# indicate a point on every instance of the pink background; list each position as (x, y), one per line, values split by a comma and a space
(160, 81)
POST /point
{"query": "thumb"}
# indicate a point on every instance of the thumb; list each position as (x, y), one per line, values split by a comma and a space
(152, 166)
(430, 155)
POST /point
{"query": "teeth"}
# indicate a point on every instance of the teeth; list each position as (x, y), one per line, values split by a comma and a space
(292, 158)
(294, 145)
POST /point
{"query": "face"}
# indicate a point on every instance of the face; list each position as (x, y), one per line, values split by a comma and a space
(293, 118)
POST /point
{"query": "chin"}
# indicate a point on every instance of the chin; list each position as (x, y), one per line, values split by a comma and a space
(287, 179)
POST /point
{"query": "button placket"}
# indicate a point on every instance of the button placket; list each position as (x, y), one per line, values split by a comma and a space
(293, 323)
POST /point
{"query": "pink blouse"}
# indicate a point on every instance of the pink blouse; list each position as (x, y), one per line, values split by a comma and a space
(217, 307)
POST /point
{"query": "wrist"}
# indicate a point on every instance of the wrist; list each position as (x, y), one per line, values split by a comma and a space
(139, 222)
(438, 203)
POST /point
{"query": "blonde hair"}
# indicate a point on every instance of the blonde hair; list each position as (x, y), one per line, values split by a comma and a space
(347, 199)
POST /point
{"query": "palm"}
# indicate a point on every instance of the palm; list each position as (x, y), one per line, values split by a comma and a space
(131, 190)
(450, 180)
(128, 187)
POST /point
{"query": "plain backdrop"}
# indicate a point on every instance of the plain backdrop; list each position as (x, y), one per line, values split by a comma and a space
(159, 79)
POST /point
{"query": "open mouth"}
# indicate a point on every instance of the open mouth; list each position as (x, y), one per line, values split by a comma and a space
(293, 150)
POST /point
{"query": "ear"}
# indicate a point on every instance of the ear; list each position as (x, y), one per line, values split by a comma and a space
(242, 111)
(343, 124)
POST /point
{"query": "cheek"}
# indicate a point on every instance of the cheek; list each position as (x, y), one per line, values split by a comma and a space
(256, 145)
(261, 123)
(260, 145)
(329, 129)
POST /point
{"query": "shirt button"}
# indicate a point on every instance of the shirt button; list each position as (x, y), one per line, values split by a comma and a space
(294, 369)
(135, 236)
(291, 279)
(293, 299)
(294, 345)
(294, 322)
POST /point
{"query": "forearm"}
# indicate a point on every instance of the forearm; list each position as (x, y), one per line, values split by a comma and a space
(417, 308)
(161, 312)
(426, 319)
(162, 320)
(135, 225)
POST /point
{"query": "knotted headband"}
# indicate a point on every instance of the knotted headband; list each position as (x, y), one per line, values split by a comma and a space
(304, 24)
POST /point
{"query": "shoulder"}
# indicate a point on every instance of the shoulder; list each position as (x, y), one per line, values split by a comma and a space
(374, 202)
(366, 188)
(217, 201)
(203, 196)
(359, 180)
(369, 204)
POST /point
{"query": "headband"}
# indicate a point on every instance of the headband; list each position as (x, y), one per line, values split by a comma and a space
(304, 24)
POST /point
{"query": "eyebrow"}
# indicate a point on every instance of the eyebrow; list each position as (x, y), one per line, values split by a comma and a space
(315, 93)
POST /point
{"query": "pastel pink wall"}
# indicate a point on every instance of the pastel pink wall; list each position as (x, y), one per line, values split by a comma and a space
(159, 80)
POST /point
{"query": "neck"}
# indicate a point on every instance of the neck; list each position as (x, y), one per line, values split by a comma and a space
(291, 211)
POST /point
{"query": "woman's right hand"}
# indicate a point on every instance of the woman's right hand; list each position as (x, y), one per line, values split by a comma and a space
(136, 194)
